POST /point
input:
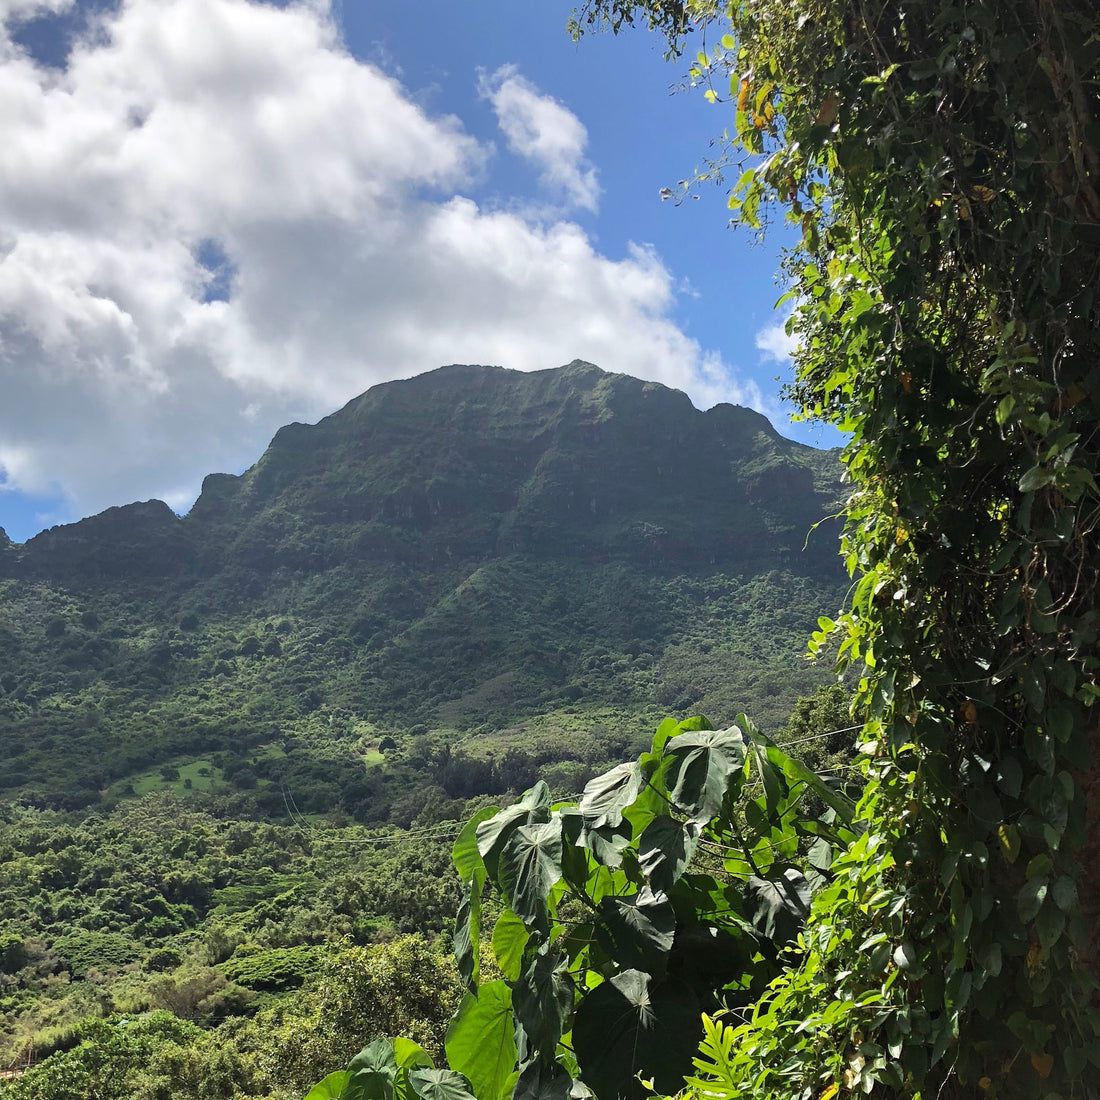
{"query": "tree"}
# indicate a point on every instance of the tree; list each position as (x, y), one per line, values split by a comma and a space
(942, 160)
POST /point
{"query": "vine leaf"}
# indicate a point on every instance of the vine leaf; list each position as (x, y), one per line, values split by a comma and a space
(481, 1041)
(701, 769)
(630, 1025)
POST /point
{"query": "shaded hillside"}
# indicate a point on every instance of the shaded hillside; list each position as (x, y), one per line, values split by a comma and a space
(520, 565)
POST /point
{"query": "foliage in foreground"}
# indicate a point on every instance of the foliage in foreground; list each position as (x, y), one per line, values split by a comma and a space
(675, 890)
(942, 161)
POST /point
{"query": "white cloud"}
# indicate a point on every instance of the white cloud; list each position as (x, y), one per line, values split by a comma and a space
(774, 341)
(190, 129)
(542, 130)
(29, 9)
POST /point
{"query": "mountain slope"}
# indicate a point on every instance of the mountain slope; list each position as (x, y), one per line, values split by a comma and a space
(530, 564)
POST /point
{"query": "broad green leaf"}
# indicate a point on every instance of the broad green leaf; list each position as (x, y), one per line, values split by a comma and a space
(665, 849)
(481, 1041)
(372, 1073)
(410, 1055)
(492, 835)
(542, 999)
(637, 931)
(541, 1080)
(510, 937)
(795, 770)
(465, 855)
(440, 1084)
(530, 864)
(701, 769)
(607, 845)
(630, 1026)
(693, 724)
(576, 863)
(606, 796)
(331, 1088)
(668, 728)
(467, 937)
(781, 904)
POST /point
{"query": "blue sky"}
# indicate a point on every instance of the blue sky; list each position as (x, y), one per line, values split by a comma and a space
(220, 216)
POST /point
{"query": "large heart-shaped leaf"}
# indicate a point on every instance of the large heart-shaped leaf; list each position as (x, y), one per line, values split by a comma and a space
(664, 851)
(481, 1041)
(608, 844)
(493, 834)
(372, 1073)
(540, 1080)
(628, 1026)
(467, 937)
(410, 1055)
(465, 855)
(440, 1084)
(575, 862)
(637, 931)
(510, 937)
(795, 770)
(702, 767)
(530, 864)
(543, 998)
(471, 870)
(781, 903)
(606, 796)
(331, 1088)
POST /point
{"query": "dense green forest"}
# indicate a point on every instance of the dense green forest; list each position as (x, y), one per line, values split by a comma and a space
(239, 745)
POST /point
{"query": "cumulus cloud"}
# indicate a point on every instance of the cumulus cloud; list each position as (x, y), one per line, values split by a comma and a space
(216, 220)
(775, 342)
(545, 132)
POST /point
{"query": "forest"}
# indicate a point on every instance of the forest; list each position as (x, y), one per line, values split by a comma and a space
(724, 914)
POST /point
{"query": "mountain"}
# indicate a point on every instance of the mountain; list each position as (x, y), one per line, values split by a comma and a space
(455, 579)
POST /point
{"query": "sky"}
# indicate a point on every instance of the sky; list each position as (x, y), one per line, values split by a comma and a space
(220, 216)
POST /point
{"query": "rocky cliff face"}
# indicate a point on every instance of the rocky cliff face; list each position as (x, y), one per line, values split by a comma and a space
(135, 540)
(470, 462)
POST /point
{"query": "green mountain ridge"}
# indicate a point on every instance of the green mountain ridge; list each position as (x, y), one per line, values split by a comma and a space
(522, 565)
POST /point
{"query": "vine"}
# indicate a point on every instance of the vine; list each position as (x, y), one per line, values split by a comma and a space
(942, 159)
